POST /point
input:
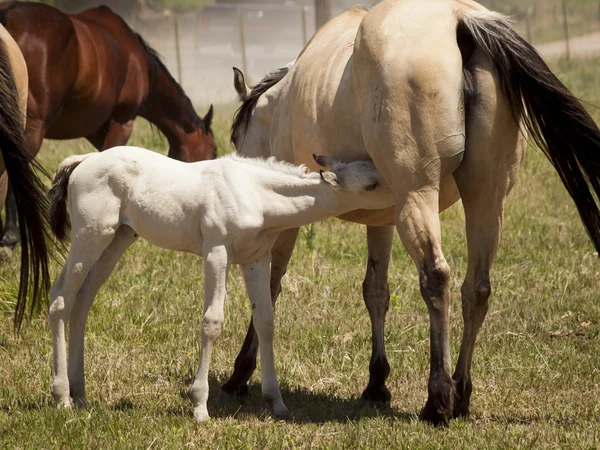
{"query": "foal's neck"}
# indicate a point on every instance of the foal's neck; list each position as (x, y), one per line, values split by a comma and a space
(299, 201)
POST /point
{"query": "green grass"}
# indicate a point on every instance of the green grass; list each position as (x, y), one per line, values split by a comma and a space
(536, 367)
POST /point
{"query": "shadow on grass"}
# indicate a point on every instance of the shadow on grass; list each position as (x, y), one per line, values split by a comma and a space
(306, 406)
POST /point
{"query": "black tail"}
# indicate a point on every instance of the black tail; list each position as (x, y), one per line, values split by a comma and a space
(59, 219)
(29, 192)
(559, 124)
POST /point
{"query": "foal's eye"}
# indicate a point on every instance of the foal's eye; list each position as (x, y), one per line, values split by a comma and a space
(372, 187)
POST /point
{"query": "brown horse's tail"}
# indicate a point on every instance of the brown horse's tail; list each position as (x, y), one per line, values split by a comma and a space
(59, 219)
(559, 124)
(29, 192)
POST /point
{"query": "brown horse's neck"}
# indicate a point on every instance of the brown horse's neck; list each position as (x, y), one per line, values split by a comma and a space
(171, 111)
(166, 106)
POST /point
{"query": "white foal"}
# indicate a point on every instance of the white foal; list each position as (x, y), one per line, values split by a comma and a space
(228, 210)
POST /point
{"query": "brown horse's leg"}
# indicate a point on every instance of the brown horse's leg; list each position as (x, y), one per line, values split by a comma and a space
(245, 363)
(494, 151)
(112, 134)
(376, 295)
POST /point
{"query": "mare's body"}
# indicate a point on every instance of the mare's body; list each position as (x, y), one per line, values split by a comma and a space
(438, 94)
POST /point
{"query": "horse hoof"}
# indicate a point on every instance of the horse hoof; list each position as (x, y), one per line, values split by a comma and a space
(225, 398)
(377, 396)
(434, 416)
(5, 254)
(283, 413)
(201, 414)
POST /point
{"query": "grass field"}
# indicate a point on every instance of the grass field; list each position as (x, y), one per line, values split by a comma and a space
(536, 368)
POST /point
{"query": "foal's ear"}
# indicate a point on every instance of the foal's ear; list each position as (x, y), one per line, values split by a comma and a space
(325, 161)
(240, 85)
(330, 178)
(208, 117)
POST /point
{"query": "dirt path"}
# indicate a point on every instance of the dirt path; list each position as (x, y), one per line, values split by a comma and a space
(580, 46)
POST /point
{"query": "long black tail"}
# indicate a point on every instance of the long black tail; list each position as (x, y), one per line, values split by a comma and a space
(29, 192)
(556, 120)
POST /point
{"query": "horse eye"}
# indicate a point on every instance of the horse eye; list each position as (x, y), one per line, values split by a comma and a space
(372, 187)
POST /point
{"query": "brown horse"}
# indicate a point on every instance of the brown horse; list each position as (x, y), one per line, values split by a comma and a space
(90, 75)
(29, 193)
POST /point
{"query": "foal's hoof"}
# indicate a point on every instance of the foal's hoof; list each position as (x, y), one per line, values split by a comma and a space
(434, 415)
(201, 414)
(377, 396)
(283, 414)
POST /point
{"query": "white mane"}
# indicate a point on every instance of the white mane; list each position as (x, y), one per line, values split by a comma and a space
(272, 163)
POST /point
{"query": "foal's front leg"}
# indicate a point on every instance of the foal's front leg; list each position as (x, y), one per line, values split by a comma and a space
(256, 276)
(216, 267)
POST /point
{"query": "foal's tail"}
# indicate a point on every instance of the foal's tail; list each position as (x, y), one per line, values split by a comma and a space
(59, 219)
(559, 124)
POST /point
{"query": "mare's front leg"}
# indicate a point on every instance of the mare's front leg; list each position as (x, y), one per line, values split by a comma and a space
(376, 295)
(216, 267)
(256, 276)
(245, 363)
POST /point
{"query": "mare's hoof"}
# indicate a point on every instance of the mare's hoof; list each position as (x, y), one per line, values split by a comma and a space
(434, 415)
(377, 396)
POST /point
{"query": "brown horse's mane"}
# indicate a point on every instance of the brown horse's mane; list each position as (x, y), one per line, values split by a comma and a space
(242, 116)
(156, 67)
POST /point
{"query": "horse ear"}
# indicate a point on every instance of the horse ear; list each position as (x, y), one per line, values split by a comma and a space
(240, 85)
(208, 117)
(326, 161)
(330, 178)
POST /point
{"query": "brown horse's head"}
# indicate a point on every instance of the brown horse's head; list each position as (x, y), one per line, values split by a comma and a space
(190, 137)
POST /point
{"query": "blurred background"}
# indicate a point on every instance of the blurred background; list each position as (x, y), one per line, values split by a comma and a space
(200, 40)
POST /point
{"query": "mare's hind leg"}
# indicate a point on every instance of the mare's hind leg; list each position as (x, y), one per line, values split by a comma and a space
(486, 175)
(124, 237)
(376, 295)
(245, 363)
(86, 250)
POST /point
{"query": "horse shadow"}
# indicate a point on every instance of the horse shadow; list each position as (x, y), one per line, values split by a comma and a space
(305, 405)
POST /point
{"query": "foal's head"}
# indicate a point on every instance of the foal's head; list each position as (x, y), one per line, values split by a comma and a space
(357, 181)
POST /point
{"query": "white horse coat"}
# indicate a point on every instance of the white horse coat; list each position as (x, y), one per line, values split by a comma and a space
(229, 210)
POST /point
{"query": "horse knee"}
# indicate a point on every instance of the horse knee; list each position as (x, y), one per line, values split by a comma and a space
(211, 326)
(58, 310)
(477, 293)
(435, 281)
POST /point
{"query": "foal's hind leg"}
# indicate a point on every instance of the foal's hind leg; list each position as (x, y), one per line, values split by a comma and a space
(245, 363)
(376, 295)
(124, 237)
(486, 175)
(85, 251)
